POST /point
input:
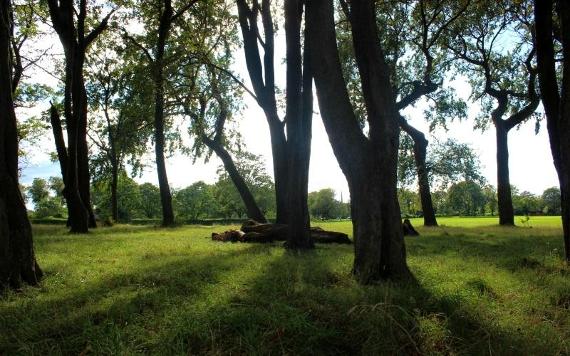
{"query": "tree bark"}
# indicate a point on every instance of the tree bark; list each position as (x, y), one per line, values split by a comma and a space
(420, 153)
(253, 211)
(504, 197)
(159, 141)
(298, 120)
(556, 103)
(369, 164)
(17, 259)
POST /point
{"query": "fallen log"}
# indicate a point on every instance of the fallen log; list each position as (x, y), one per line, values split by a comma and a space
(255, 232)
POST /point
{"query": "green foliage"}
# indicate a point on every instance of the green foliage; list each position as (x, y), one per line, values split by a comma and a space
(409, 201)
(195, 202)
(323, 205)
(552, 201)
(260, 183)
(131, 289)
(46, 203)
(130, 200)
(447, 162)
(466, 198)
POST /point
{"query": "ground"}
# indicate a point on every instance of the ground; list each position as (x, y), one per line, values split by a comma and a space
(480, 289)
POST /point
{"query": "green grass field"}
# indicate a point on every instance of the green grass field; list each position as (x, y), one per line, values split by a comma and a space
(480, 289)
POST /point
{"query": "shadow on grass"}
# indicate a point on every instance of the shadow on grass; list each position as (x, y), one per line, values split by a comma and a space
(253, 300)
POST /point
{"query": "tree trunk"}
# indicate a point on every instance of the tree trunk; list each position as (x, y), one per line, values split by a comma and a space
(420, 153)
(165, 195)
(564, 127)
(556, 104)
(114, 184)
(299, 114)
(505, 200)
(369, 164)
(79, 97)
(159, 140)
(62, 156)
(420, 148)
(253, 211)
(78, 212)
(17, 258)
(262, 79)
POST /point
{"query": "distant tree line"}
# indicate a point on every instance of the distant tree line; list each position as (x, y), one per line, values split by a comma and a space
(468, 198)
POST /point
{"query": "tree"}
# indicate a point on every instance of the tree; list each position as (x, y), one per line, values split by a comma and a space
(369, 163)
(551, 200)
(555, 91)
(452, 161)
(466, 198)
(503, 79)
(71, 24)
(290, 138)
(150, 200)
(45, 204)
(251, 168)
(323, 205)
(490, 198)
(162, 15)
(411, 34)
(526, 203)
(214, 107)
(17, 259)
(119, 129)
(195, 202)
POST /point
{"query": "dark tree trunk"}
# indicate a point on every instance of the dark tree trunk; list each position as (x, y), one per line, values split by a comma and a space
(69, 23)
(556, 103)
(262, 79)
(79, 97)
(165, 194)
(299, 110)
(159, 141)
(369, 164)
(114, 184)
(17, 259)
(420, 153)
(253, 211)
(62, 156)
(504, 197)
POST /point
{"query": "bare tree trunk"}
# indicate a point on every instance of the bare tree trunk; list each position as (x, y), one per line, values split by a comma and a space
(159, 141)
(165, 194)
(299, 114)
(253, 211)
(369, 164)
(69, 23)
(17, 258)
(114, 184)
(505, 200)
(262, 76)
(556, 103)
(420, 153)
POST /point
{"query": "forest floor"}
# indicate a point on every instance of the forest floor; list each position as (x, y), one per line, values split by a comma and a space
(481, 289)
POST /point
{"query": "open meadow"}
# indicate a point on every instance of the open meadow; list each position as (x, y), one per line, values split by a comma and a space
(480, 289)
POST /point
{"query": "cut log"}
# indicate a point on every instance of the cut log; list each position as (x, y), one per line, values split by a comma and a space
(409, 229)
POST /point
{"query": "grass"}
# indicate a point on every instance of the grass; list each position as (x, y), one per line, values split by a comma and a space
(480, 289)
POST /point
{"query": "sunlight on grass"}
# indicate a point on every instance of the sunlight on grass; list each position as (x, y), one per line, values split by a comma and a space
(480, 289)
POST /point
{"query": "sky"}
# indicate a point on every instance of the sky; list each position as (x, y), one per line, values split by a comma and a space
(530, 162)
